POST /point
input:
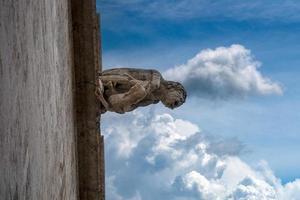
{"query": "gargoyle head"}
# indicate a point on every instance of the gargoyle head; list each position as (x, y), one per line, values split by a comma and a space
(174, 94)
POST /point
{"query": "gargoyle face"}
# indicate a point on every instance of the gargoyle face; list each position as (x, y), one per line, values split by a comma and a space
(173, 99)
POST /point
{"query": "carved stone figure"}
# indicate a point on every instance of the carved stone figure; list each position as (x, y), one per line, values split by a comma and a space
(124, 89)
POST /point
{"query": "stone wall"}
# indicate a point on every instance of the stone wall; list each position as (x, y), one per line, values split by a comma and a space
(87, 64)
(37, 127)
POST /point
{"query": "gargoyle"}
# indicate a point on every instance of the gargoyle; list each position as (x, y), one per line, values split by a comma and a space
(124, 89)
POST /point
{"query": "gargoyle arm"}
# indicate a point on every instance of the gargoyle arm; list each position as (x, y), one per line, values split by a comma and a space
(153, 76)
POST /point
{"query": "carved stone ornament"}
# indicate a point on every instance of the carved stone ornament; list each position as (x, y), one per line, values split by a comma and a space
(122, 90)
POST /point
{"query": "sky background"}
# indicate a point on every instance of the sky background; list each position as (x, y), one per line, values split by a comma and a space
(243, 92)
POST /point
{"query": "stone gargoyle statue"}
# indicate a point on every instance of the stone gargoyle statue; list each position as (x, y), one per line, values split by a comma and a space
(122, 90)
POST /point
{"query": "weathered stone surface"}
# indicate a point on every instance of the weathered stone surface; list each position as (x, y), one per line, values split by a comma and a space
(37, 134)
(87, 63)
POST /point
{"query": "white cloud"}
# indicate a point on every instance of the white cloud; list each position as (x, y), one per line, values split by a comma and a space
(252, 189)
(172, 159)
(225, 72)
(290, 191)
(209, 189)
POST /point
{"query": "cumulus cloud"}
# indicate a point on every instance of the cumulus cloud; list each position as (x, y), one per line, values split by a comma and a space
(290, 191)
(151, 156)
(250, 188)
(222, 73)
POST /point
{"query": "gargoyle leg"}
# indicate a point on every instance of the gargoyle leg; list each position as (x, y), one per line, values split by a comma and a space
(99, 94)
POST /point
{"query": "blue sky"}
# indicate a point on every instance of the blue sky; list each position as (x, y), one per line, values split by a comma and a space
(167, 33)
